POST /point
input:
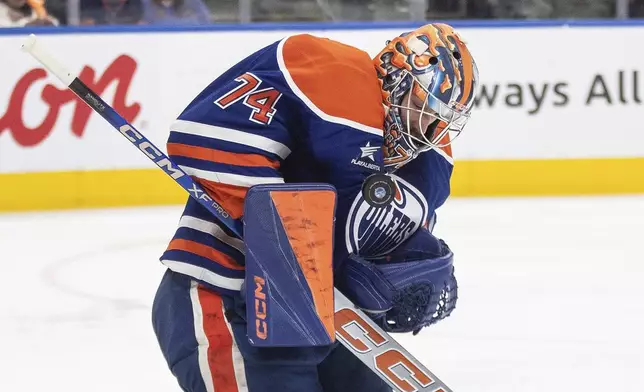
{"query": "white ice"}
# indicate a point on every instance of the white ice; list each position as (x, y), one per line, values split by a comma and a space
(551, 298)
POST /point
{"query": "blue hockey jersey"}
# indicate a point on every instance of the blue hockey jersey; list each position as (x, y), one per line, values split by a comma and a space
(304, 109)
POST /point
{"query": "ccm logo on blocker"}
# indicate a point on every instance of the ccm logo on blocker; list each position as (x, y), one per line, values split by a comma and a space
(261, 328)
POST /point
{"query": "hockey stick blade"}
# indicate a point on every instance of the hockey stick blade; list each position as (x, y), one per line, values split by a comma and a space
(354, 329)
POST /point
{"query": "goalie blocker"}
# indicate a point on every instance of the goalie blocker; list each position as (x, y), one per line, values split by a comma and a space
(288, 237)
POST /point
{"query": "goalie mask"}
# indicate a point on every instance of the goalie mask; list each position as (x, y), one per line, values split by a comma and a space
(428, 79)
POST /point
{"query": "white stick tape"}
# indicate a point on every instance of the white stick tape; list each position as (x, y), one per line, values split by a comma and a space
(34, 48)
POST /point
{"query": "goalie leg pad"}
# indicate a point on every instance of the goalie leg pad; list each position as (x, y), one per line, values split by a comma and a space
(288, 236)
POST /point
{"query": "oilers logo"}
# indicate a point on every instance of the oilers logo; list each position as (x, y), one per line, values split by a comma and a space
(376, 231)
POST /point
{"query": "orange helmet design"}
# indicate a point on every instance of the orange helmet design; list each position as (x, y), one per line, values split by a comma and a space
(428, 79)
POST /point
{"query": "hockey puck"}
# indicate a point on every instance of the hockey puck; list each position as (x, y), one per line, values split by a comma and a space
(378, 190)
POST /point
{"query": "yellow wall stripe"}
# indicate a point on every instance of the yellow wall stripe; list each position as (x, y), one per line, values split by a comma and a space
(85, 189)
(548, 177)
(111, 188)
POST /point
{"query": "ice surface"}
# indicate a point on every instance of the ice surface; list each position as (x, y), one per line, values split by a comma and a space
(551, 298)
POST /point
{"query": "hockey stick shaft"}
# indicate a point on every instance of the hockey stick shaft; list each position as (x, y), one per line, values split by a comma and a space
(35, 48)
(355, 330)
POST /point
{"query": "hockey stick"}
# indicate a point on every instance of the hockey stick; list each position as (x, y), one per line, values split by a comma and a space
(355, 330)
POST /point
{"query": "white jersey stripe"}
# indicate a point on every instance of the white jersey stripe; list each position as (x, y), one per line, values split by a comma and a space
(212, 229)
(202, 340)
(231, 135)
(311, 105)
(204, 275)
(238, 360)
(230, 179)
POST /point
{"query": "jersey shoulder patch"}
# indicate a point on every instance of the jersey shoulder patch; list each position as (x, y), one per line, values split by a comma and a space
(337, 82)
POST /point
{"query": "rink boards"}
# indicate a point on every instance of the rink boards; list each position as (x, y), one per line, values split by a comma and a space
(558, 112)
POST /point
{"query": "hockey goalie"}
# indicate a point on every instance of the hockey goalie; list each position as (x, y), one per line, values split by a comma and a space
(336, 162)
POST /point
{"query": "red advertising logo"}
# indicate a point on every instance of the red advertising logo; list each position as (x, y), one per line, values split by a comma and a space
(120, 71)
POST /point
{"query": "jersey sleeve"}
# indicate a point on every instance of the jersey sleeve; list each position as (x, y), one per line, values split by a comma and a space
(235, 134)
(232, 139)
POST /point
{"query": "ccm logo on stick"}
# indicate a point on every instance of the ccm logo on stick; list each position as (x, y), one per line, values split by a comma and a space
(164, 163)
(148, 149)
(261, 328)
(384, 362)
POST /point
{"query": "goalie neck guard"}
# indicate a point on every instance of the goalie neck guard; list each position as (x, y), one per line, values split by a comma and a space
(428, 80)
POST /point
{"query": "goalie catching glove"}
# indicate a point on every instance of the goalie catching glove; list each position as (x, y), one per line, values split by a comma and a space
(410, 288)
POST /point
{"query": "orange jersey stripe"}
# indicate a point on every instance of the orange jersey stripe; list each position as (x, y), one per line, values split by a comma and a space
(205, 251)
(308, 221)
(219, 156)
(220, 341)
(339, 79)
(230, 197)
